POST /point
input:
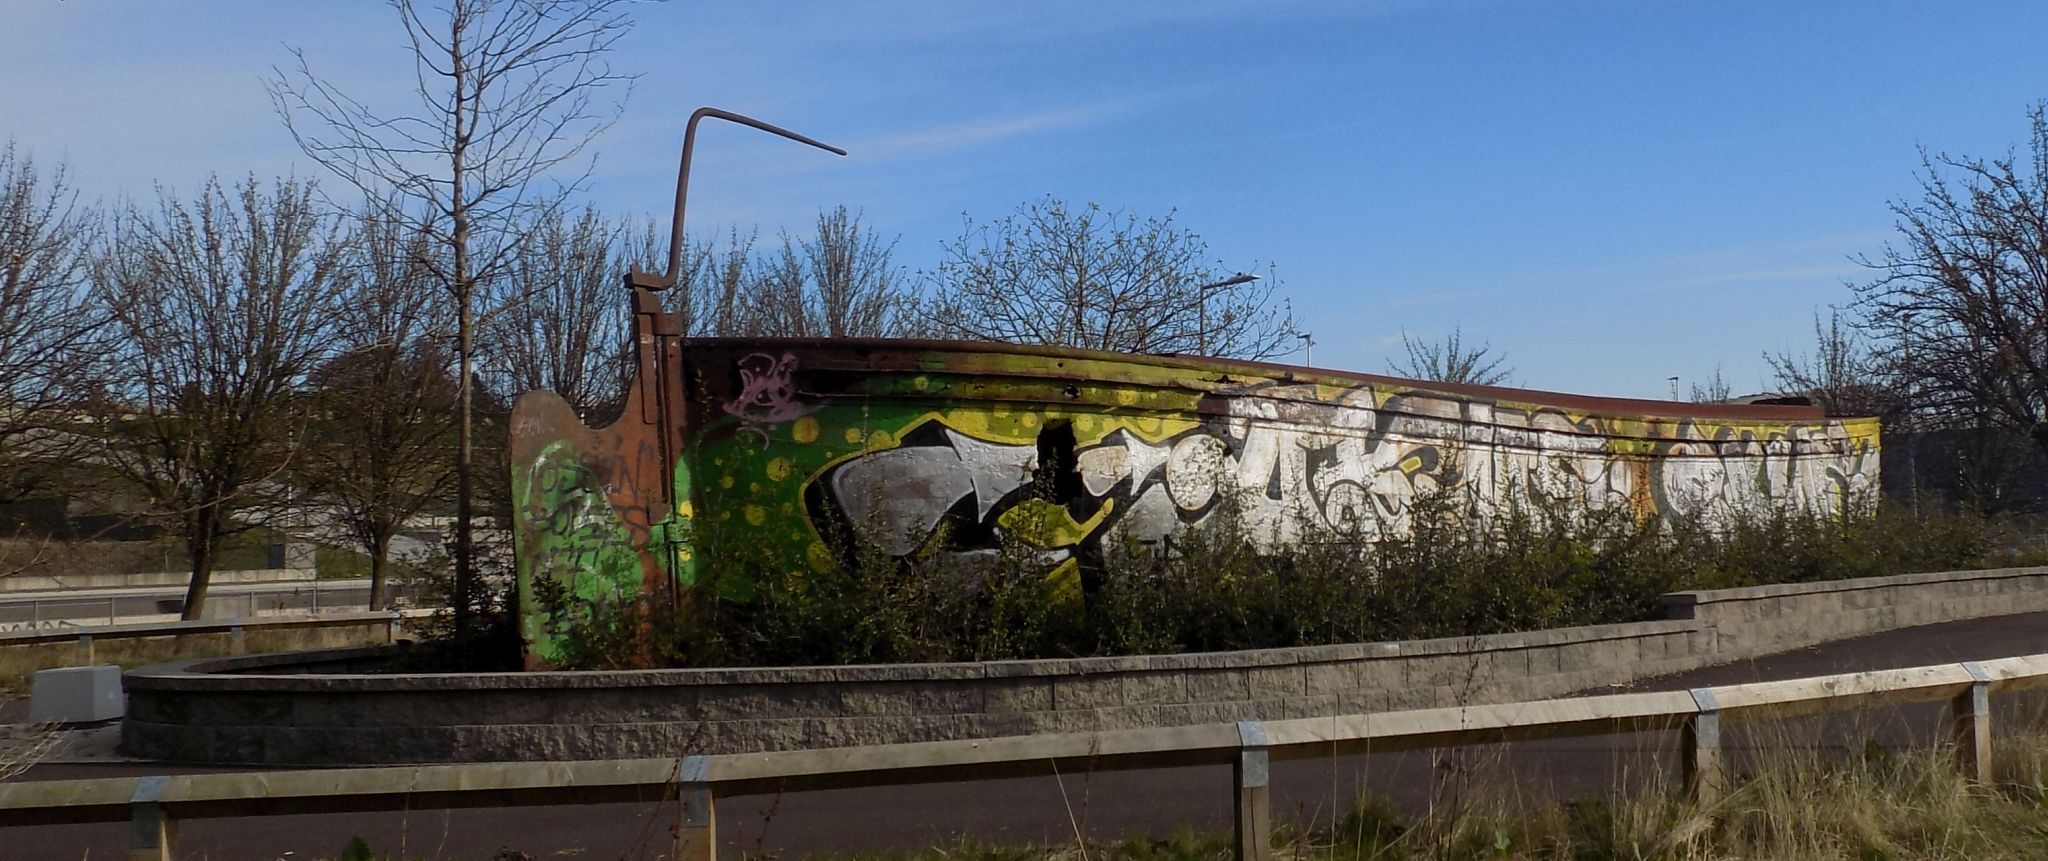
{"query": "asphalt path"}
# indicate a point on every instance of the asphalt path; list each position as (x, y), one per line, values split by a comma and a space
(1112, 805)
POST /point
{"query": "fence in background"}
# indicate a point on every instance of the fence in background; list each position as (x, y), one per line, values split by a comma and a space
(24, 653)
(154, 805)
(82, 608)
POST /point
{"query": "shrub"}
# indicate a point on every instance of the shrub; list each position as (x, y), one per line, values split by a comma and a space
(1539, 562)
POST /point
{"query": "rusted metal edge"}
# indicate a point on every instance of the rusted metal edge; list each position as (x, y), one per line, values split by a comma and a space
(900, 354)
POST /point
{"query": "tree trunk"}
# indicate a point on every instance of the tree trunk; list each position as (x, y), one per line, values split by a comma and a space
(380, 564)
(465, 563)
(202, 544)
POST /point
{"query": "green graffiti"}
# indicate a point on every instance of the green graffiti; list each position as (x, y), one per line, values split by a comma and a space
(572, 539)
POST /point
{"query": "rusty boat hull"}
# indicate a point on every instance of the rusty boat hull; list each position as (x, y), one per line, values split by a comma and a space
(791, 443)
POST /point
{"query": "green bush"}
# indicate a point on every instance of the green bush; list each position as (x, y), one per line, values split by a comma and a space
(1541, 562)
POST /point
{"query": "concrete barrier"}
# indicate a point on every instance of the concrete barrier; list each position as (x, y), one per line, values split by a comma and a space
(32, 582)
(276, 709)
(23, 653)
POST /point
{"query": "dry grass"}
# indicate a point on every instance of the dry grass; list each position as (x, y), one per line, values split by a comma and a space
(20, 663)
(1804, 802)
(23, 745)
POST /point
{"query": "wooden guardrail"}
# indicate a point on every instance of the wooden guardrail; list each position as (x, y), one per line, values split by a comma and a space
(154, 805)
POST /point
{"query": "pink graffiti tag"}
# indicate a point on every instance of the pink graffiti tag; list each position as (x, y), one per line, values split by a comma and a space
(767, 394)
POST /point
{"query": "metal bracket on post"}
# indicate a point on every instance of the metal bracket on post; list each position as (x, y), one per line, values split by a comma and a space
(668, 533)
(154, 835)
(1971, 712)
(697, 836)
(1704, 777)
(1254, 804)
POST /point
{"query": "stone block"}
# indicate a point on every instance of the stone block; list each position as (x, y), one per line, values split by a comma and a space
(1288, 708)
(1143, 716)
(870, 699)
(1616, 654)
(1332, 678)
(1504, 664)
(1023, 694)
(1382, 674)
(1362, 701)
(1411, 697)
(1218, 685)
(1577, 657)
(1674, 646)
(76, 695)
(1155, 688)
(1102, 690)
(857, 732)
(1009, 723)
(1436, 670)
(1268, 682)
(1505, 690)
(663, 704)
(742, 702)
(1702, 643)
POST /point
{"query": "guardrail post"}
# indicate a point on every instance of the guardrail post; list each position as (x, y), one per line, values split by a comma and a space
(237, 643)
(1972, 715)
(85, 649)
(1704, 776)
(154, 832)
(697, 838)
(1254, 805)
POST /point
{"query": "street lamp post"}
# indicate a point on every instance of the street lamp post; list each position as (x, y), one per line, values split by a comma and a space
(1202, 294)
(1307, 340)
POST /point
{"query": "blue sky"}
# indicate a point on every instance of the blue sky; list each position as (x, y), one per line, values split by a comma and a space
(1610, 193)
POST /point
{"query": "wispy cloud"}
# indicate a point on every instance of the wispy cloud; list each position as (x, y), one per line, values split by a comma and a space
(1826, 257)
(933, 140)
(912, 22)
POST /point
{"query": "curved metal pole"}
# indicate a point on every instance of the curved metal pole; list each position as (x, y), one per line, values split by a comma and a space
(643, 280)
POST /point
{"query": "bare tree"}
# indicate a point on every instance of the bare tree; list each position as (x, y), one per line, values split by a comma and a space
(376, 448)
(1104, 280)
(563, 324)
(221, 306)
(1959, 306)
(1451, 360)
(48, 335)
(508, 95)
(713, 294)
(1714, 391)
(1840, 375)
(838, 282)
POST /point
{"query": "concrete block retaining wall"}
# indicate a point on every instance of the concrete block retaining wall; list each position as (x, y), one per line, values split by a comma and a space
(24, 653)
(249, 710)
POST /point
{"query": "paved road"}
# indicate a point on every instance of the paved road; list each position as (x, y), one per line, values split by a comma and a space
(1104, 806)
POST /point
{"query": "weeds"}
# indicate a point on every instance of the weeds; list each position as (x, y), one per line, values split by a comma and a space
(1543, 562)
(1801, 803)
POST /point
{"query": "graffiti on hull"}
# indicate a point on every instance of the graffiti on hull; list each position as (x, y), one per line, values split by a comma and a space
(1288, 459)
(914, 457)
(936, 447)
